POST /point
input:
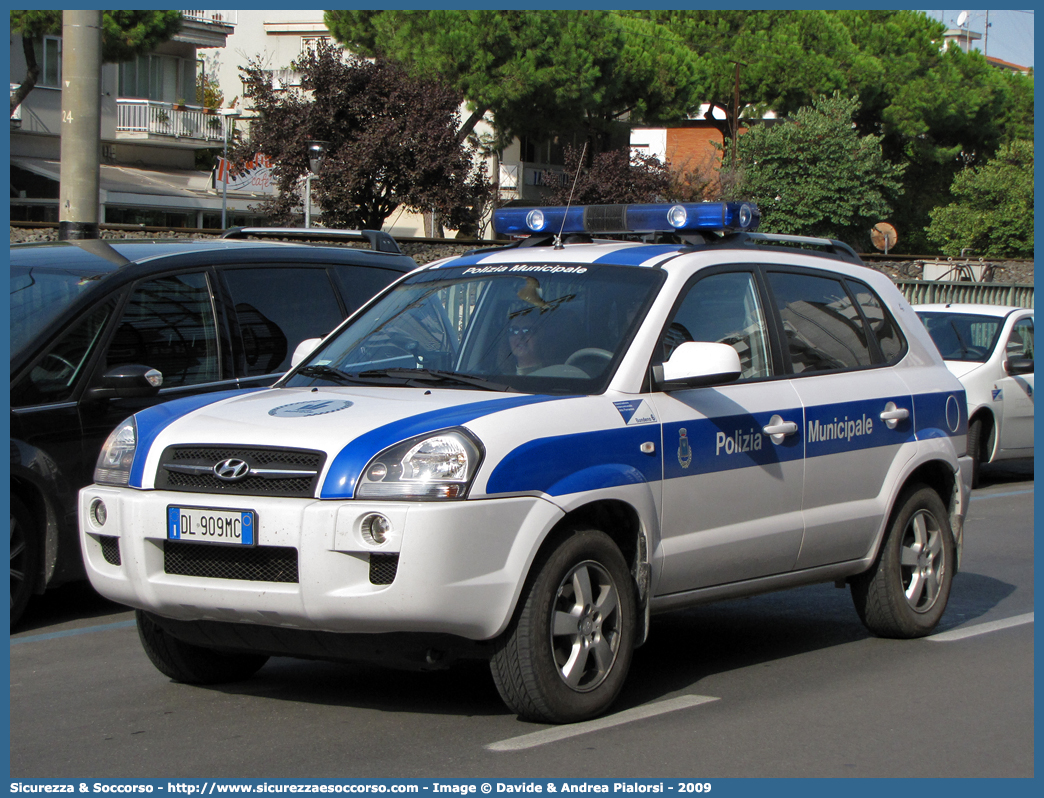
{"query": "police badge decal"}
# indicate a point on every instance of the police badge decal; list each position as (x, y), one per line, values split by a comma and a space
(684, 450)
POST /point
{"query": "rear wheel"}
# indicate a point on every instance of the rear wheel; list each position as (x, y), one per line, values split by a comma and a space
(905, 593)
(191, 664)
(567, 652)
(25, 554)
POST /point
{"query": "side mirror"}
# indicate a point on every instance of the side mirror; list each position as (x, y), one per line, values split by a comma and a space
(304, 349)
(129, 381)
(1019, 365)
(697, 363)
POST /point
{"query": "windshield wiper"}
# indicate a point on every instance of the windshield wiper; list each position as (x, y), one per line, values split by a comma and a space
(338, 376)
(422, 376)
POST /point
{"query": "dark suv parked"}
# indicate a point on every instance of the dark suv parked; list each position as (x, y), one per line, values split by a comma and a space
(92, 322)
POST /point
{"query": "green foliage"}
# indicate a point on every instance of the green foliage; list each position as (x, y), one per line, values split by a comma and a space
(993, 213)
(125, 34)
(536, 71)
(935, 110)
(814, 174)
(391, 142)
(208, 88)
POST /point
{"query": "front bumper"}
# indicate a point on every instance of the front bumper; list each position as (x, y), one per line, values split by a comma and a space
(460, 565)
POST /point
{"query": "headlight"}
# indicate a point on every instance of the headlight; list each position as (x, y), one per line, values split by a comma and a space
(114, 462)
(436, 466)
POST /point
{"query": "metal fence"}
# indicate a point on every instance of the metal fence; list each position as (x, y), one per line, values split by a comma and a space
(924, 292)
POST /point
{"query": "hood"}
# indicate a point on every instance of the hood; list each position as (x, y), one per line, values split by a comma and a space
(350, 425)
(962, 368)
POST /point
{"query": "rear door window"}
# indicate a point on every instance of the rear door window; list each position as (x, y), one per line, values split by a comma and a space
(169, 324)
(822, 326)
(277, 308)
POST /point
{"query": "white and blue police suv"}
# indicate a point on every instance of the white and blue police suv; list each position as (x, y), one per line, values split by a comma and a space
(521, 453)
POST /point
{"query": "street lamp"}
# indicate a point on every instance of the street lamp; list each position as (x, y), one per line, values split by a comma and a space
(316, 153)
(226, 114)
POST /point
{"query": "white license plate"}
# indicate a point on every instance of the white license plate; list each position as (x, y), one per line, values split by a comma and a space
(212, 525)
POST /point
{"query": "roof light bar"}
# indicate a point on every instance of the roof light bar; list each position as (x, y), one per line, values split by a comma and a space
(687, 217)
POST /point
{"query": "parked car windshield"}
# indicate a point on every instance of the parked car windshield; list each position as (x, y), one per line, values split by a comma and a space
(963, 336)
(41, 294)
(535, 328)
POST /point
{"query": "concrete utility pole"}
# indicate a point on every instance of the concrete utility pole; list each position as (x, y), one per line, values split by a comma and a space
(81, 124)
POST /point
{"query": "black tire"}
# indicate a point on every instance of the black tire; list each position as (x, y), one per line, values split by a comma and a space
(25, 558)
(904, 594)
(191, 664)
(587, 578)
(975, 449)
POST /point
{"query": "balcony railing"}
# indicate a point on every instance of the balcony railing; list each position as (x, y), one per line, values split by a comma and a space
(166, 119)
(212, 17)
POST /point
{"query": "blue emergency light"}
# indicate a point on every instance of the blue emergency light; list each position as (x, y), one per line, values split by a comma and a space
(688, 217)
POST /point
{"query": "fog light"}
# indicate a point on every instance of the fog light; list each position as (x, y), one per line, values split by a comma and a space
(375, 528)
(97, 512)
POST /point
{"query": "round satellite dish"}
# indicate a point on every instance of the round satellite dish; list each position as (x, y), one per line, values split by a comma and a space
(883, 236)
(962, 18)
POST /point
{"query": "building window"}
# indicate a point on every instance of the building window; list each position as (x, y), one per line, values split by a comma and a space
(162, 78)
(49, 57)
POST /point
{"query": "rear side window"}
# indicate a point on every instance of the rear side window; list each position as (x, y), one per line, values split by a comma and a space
(823, 328)
(277, 308)
(882, 327)
(359, 283)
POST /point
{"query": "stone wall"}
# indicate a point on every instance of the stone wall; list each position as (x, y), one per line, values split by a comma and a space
(426, 251)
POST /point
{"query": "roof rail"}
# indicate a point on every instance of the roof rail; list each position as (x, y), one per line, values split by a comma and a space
(833, 247)
(379, 240)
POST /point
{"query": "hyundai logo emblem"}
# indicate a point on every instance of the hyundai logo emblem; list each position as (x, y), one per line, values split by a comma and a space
(231, 470)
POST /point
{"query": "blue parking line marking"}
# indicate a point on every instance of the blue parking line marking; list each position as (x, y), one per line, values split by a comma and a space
(71, 632)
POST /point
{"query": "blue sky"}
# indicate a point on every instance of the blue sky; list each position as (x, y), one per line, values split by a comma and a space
(1009, 37)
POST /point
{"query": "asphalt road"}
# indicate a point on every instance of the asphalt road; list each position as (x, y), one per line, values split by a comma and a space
(788, 684)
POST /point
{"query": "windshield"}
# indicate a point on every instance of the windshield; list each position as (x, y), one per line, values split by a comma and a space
(963, 336)
(535, 328)
(39, 295)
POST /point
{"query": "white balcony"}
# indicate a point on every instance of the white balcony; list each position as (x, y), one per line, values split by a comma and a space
(212, 17)
(155, 121)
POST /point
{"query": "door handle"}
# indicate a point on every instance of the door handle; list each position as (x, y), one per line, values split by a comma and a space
(892, 415)
(778, 429)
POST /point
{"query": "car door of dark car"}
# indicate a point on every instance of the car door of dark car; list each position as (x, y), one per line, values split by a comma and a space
(169, 323)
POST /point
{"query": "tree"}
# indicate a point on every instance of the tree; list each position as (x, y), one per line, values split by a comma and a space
(125, 35)
(936, 110)
(815, 175)
(536, 71)
(391, 142)
(617, 176)
(992, 215)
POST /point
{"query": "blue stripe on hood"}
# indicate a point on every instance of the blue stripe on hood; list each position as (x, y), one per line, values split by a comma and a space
(352, 459)
(153, 420)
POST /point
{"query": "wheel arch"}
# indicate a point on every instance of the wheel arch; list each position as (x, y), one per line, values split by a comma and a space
(621, 521)
(940, 477)
(989, 426)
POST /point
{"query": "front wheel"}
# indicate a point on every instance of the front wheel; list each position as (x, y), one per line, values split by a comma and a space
(904, 594)
(24, 558)
(191, 664)
(567, 652)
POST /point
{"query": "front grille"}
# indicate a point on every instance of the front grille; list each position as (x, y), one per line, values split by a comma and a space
(250, 563)
(383, 568)
(110, 546)
(272, 472)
